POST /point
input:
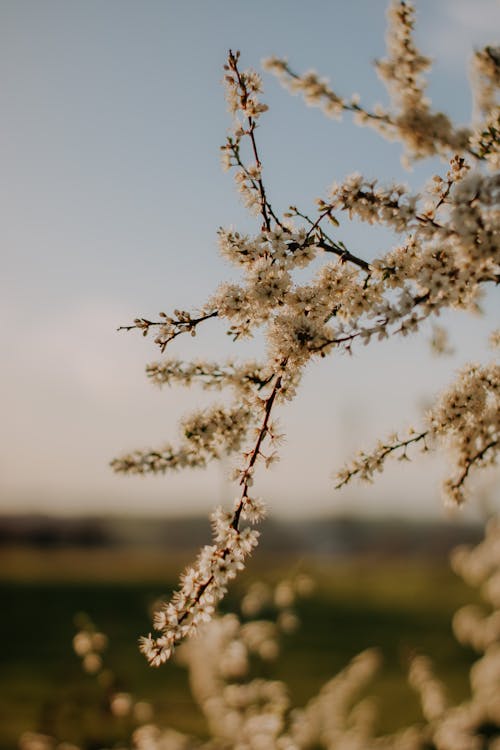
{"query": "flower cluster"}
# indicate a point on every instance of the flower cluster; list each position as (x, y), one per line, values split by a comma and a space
(241, 377)
(241, 711)
(411, 121)
(203, 584)
(206, 434)
(486, 73)
(447, 254)
(485, 140)
(423, 131)
(466, 418)
(242, 89)
(364, 465)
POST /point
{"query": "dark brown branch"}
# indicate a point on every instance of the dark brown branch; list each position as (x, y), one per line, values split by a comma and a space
(326, 243)
(257, 185)
(387, 450)
(470, 463)
(266, 209)
(344, 254)
(244, 481)
(179, 326)
(256, 449)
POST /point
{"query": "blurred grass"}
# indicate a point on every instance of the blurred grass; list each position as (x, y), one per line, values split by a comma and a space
(401, 606)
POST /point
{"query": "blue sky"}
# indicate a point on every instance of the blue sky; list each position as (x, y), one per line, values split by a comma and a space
(112, 193)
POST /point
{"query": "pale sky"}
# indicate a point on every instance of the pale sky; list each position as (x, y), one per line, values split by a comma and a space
(111, 196)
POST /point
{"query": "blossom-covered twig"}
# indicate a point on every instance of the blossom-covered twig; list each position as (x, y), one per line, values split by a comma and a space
(422, 131)
(170, 327)
(241, 94)
(447, 252)
(366, 464)
(204, 584)
(466, 418)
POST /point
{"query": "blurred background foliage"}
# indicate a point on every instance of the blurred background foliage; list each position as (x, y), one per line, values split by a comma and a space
(378, 583)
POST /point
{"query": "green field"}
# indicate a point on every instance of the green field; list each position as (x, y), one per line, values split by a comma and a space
(400, 606)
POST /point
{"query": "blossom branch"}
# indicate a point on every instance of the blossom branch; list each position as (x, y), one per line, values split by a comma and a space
(232, 145)
(207, 435)
(242, 88)
(316, 92)
(366, 464)
(204, 584)
(449, 248)
(472, 461)
(170, 328)
(233, 65)
(210, 374)
(423, 132)
(254, 454)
